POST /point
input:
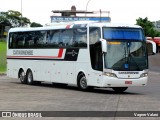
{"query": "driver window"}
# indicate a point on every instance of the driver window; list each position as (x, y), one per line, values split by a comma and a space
(96, 57)
(95, 49)
(94, 35)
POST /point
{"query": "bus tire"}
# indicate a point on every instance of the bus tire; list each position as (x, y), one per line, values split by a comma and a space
(82, 83)
(119, 89)
(29, 77)
(22, 77)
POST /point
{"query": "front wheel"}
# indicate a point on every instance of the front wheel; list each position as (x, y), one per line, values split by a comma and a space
(82, 83)
(119, 89)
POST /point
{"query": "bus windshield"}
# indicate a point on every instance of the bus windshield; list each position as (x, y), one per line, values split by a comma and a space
(123, 34)
(126, 51)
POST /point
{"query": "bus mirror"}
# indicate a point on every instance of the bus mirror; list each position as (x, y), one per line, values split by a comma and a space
(151, 47)
(104, 45)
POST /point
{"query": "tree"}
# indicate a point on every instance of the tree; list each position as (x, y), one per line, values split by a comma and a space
(34, 24)
(3, 20)
(3, 23)
(148, 27)
(14, 18)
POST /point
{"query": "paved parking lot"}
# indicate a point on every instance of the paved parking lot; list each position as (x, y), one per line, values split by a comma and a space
(46, 97)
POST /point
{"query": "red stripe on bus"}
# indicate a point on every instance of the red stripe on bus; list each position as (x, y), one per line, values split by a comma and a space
(60, 53)
(68, 26)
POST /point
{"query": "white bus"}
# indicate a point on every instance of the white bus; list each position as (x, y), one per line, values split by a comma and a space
(86, 54)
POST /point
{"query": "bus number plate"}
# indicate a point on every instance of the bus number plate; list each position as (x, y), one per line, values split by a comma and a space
(128, 82)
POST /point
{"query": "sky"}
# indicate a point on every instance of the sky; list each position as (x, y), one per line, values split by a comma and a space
(121, 11)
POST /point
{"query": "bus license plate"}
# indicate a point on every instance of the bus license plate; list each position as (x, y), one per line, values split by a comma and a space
(128, 82)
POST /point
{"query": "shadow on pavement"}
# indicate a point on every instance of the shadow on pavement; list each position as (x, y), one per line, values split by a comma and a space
(70, 87)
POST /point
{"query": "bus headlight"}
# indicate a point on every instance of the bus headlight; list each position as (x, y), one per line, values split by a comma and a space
(144, 75)
(110, 74)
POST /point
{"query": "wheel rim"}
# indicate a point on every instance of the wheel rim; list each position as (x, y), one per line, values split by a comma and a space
(83, 83)
(21, 77)
(29, 77)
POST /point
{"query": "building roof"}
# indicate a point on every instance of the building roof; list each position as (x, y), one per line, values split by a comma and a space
(70, 11)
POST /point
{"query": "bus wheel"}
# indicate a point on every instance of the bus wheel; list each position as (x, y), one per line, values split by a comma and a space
(22, 77)
(119, 89)
(82, 82)
(30, 78)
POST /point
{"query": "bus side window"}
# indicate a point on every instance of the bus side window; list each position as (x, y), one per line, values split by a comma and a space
(49, 36)
(36, 38)
(41, 39)
(20, 40)
(67, 38)
(94, 35)
(14, 40)
(10, 45)
(28, 40)
(80, 37)
(55, 37)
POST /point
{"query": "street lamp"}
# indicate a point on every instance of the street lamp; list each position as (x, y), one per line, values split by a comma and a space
(87, 6)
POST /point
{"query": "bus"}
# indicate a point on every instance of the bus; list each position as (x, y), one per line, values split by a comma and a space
(85, 54)
(157, 42)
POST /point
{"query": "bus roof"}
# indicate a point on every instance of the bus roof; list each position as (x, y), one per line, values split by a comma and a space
(115, 25)
(71, 24)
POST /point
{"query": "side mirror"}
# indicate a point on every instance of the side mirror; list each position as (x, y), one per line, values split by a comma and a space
(103, 45)
(151, 47)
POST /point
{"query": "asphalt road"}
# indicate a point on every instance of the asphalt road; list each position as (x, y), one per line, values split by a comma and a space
(46, 97)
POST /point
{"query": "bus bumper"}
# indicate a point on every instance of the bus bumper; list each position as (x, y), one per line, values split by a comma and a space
(116, 82)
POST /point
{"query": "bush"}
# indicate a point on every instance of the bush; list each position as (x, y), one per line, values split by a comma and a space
(3, 40)
(3, 48)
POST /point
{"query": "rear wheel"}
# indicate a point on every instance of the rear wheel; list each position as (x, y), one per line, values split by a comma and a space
(30, 77)
(119, 89)
(22, 77)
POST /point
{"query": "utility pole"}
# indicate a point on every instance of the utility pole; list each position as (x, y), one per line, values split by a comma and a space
(21, 13)
(87, 6)
(100, 14)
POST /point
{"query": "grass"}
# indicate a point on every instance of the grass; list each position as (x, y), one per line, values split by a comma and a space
(3, 48)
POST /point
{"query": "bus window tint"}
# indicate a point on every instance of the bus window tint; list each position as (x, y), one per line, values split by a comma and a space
(49, 39)
(28, 39)
(80, 37)
(95, 49)
(42, 38)
(94, 35)
(53, 37)
(36, 38)
(11, 40)
(66, 38)
(16, 40)
(20, 40)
